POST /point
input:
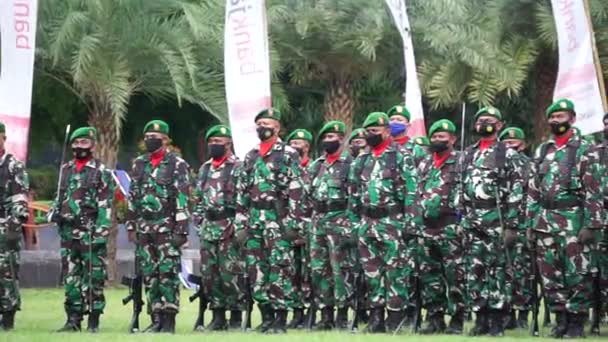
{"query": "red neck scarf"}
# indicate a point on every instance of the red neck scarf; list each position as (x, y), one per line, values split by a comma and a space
(156, 157)
(440, 158)
(402, 140)
(305, 162)
(484, 144)
(265, 146)
(561, 140)
(331, 158)
(378, 150)
(80, 163)
(218, 162)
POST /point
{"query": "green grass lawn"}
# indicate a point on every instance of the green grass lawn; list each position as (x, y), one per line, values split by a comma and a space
(43, 313)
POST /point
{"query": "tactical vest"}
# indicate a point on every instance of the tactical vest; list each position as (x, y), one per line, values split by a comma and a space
(92, 177)
(342, 171)
(570, 162)
(452, 178)
(228, 185)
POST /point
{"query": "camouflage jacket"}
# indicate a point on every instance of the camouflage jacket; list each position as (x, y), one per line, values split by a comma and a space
(374, 184)
(215, 199)
(417, 152)
(158, 196)
(267, 184)
(603, 155)
(86, 202)
(565, 192)
(483, 179)
(438, 191)
(328, 193)
(14, 188)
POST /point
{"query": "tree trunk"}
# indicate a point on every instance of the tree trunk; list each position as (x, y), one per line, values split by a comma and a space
(107, 151)
(544, 83)
(339, 102)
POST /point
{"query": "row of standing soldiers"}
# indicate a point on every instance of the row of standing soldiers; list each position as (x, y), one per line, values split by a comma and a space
(387, 226)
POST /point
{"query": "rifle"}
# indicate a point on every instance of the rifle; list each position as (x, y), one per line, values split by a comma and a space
(135, 284)
(199, 325)
(417, 288)
(54, 217)
(356, 305)
(535, 299)
(597, 305)
(248, 302)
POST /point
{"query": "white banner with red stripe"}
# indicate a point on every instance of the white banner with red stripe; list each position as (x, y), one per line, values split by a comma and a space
(413, 95)
(246, 68)
(578, 67)
(18, 38)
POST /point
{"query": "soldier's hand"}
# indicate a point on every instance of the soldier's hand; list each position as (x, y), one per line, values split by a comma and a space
(132, 236)
(241, 237)
(299, 242)
(586, 236)
(510, 237)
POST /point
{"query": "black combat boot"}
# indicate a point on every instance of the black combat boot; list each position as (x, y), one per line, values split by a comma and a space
(481, 324)
(456, 324)
(435, 324)
(561, 325)
(342, 319)
(155, 324)
(327, 319)
(363, 316)
(219, 321)
(393, 319)
(376, 322)
(279, 326)
(496, 323)
(576, 326)
(8, 320)
(522, 319)
(168, 322)
(267, 318)
(93, 322)
(297, 321)
(511, 320)
(236, 320)
(73, 323)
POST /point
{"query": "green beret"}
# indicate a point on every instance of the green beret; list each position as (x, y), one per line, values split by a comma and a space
(512, 133)
(157, 126)
(376, 119)
(358, 133)
(2, 127)
(489, 111)
(399, 110)
(218, 131)
(268, 113)
(333, 127)
(561, 105)
(422, 140)
(84, 132)
(300, 134)
(443, 125)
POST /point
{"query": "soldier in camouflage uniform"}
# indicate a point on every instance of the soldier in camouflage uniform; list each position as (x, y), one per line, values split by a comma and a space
(493, 191)
(382, 196)
(566, 218)
(332, 241)
(356, 142)
(603, 245)
(400, 118)
(14, 188)
(442, 259)
(157, 221)
(269, 191)
(301, 140)
(83, 212)
(514, 138)
(215, 207)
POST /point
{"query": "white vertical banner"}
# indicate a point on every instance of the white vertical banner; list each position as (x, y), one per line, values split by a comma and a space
(18, 39)
(578, 67)
(413, 96)
(246, 68)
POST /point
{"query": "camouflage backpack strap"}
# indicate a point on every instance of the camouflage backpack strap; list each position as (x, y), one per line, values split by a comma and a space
(361, 166)
(501, 158)
(571, 162)
(391, 162)
(316, 169)
(5, 174)
(65, 175)
(467, 160)
(94, 175)
(139, 170)
(226, 177)
(205, 174)
(344, 171)
(249, 161)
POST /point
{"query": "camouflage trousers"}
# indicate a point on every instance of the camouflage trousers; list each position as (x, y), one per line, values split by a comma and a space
(84, 276)
(10, 299)
(382, 256)
(222, 268)
(301, 277)
(271, 267)
(521, 259)
(603, 268)
(442, 273)
(487, 273)
(566, 268)
(160, 263)
(332, 267)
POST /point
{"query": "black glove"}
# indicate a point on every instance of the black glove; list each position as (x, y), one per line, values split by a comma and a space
(241, 237)
(348, 242)
(179, 240)
(586, 236)
(510, 237)
(291, 235)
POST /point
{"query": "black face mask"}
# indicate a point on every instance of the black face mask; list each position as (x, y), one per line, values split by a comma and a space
(331, 146)
(356, 150)
(81, 152)
(264, 132)
(217, 151)
(153, 144)
(559, 128)
(374, 140)
(486, 129)
(438, 146)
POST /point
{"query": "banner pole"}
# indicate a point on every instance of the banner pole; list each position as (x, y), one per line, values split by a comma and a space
(596, 57)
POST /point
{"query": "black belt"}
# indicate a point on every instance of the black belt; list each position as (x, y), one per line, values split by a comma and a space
(440, 222)
(214, 215)
(476, 204)
(265, 205)
(563, 204)
(380, 212)
(326, 207)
